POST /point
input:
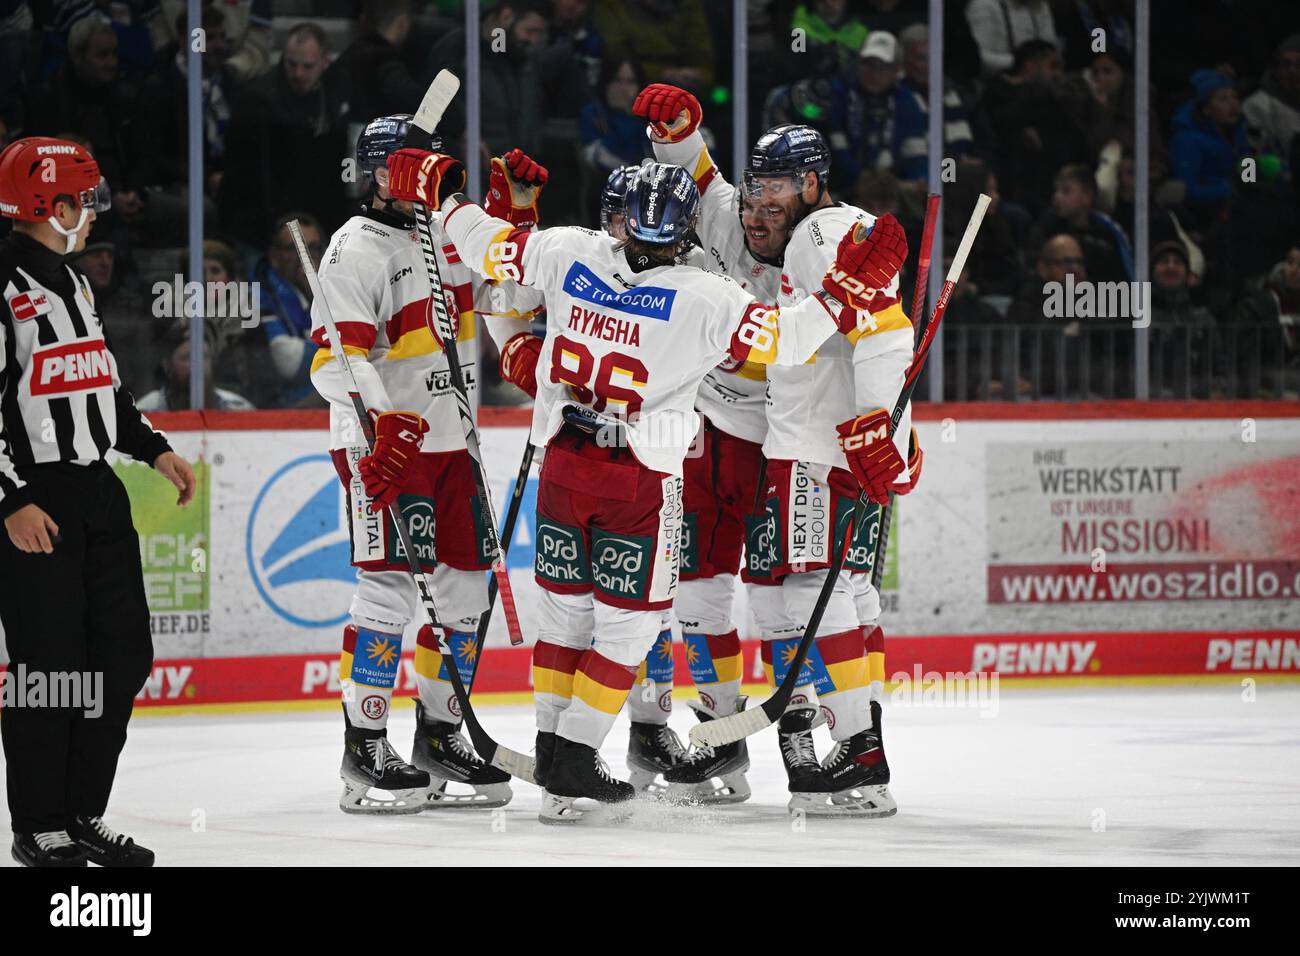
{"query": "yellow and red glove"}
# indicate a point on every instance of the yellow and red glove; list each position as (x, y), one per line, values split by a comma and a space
(866, 261)
(388, 468)
(872, 456)
(673, 112)
(519, 361)
(514, 184)
(417, 175)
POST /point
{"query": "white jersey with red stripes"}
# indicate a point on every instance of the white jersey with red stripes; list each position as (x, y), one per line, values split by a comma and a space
(733, 395)
(850, 374)
(628, 344)
(374, 279)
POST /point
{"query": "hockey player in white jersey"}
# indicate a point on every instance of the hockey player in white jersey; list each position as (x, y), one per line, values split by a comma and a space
(630, 335)
(373, 276)
(810, 410)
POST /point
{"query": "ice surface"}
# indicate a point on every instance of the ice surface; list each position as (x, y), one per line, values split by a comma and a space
(1113, 777)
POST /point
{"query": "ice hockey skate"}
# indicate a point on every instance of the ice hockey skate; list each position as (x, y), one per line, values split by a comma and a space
(577, 771)
(794, 734)
(52, 848)
(652, 750)
(104, 846)
(375, 778)
(853, 781)
(443, 752)
(711, 775)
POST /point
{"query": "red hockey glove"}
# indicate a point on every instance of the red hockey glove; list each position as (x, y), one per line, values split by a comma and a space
(513, 187)
(865, 262)
(673, 113)
(873, 459)
(914, 459)
(519, 361)
(417, 175)
(387, 469)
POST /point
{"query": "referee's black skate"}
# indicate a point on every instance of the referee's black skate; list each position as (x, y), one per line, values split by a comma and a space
(106, 847)
(543, 754)
(577, 771)
(711, 774)
(442, 752)
(51, 848)
(371, 768)
(854, 779)
(652, 749)
(794, 734)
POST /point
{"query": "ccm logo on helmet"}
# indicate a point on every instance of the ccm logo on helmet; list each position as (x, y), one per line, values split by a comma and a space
(856, 442)
(77, 367)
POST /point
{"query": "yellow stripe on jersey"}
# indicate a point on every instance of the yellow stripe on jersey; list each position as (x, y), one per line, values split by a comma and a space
(703, 167)
(872, 323)
(325, 355)
(752, 371)
(421, 341)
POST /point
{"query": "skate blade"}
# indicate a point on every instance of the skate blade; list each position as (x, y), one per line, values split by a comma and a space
(485, 797)
(719, 790)
(864, 802)
(562, 811)
(647, 782)
(361, 798)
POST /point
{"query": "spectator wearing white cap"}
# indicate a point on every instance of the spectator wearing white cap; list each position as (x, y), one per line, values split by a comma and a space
(863, 128)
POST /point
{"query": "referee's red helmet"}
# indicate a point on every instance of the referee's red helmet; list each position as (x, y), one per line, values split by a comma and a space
(38, 170)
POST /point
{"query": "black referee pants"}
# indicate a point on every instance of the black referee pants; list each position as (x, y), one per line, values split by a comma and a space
(81, 609)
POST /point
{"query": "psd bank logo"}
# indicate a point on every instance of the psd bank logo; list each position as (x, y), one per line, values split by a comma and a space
(297, 544)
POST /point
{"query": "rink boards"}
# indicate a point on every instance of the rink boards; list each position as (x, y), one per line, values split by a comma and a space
(1103, 542)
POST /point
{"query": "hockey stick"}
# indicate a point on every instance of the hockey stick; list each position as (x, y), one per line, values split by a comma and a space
(419, 134)
(918, 310)
(726, 730)
(512, 762)
(507, 534)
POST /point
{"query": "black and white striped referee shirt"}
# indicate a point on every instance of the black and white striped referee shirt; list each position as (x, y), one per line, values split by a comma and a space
(61, 399)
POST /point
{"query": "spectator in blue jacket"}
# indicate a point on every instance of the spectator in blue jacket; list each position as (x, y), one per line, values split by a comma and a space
(913, 110)
(611, 136)
(286, 310)
(863, 128)
(1209, 141)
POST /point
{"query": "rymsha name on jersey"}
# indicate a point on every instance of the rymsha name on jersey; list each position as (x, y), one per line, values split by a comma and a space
(606, 327)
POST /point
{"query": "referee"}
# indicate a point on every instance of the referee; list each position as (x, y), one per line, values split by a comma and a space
(72, 597)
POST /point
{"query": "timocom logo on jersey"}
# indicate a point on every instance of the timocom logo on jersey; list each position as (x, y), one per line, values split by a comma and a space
(71, 368)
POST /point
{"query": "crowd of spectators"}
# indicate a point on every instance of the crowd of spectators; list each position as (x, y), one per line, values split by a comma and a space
(1038, 111)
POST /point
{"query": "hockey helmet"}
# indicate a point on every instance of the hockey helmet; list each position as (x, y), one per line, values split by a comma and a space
(661, 204)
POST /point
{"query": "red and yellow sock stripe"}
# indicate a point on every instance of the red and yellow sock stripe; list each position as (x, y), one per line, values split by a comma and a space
(553, 668)
(601, 684)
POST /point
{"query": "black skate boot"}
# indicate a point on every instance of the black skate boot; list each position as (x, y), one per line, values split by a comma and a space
(794, 733)
(447, 756)
(49, 848)
(371, 763)
(576, 772)
(105, 847)
(652, 749)
(711, 774)
(543, 754)
(854, 779)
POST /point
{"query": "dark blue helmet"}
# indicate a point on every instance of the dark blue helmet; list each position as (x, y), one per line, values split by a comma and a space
(611, 196)
(383, 136)
(788, 151)
(661, 204)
